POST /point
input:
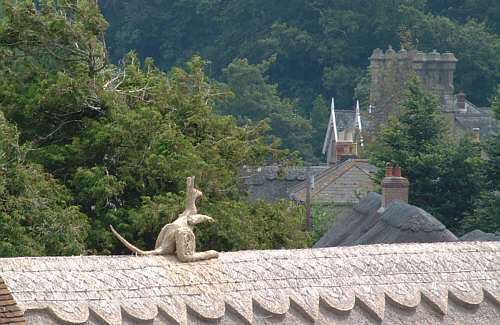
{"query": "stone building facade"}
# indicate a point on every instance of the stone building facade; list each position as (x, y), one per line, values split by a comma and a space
(390, 69)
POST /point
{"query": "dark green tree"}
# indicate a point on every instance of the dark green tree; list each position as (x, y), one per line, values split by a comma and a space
(314, 40)
(321, 47)
(319, 120)
(123, 138)
(37, 215)
(476, 47)
(444, 176)
(51, 73)
(255, 99)
(486, 214)
(486, 11)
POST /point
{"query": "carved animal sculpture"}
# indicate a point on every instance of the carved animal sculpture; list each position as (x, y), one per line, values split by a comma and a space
(178, 237)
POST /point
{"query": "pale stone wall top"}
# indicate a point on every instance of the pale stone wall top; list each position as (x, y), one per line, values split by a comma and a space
(111, 288)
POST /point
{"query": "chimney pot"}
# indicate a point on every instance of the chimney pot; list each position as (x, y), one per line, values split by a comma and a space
(397, 171)
(476, 135)
(388, 170)
(394, 187)
(461, 101)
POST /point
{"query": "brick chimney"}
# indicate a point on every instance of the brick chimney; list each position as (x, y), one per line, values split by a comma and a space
(394, 186)
(461, 101)
(476, 135)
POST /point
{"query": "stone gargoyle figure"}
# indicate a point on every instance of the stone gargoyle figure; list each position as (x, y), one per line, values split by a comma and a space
(178, 237)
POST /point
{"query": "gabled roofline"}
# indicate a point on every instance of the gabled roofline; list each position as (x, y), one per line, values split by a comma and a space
(345, 166)
(331, 123)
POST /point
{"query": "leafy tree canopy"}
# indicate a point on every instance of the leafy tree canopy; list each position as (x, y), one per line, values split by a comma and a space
(486, 214)
(256, 99)
(37, 215)
(306, 48)
(445, 177)
(321, 46)
(123, 138)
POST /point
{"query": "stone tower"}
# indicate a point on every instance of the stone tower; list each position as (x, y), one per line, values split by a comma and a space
(391, 69)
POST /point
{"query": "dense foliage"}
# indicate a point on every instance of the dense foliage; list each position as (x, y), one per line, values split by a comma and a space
(486, 214)
(445, 177)
(120, 140)
(255, 99)
(37, 215)
(320, 47)
(87, 141)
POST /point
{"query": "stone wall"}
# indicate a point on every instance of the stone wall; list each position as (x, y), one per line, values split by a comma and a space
(389, 70)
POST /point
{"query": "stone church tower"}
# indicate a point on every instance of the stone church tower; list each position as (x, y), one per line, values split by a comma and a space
(391, 69)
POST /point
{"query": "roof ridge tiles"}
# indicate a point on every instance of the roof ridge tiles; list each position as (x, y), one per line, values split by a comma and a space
(10, 313)
(301, 186)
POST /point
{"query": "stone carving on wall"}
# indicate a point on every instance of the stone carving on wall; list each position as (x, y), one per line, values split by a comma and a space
(178, 237)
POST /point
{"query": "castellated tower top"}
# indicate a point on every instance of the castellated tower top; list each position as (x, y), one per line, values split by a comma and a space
(414, 55)
(390, 69)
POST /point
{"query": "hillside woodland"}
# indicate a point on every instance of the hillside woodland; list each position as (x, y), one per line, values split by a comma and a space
(309, 50)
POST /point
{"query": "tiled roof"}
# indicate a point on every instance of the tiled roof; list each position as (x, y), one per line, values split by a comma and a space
(10, 314)
(272, 183)
(484, 121)
(257, 176)
(346, 118)
(424, 283)
(341, 193)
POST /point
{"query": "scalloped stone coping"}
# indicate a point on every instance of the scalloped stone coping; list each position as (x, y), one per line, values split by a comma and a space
(396, 283)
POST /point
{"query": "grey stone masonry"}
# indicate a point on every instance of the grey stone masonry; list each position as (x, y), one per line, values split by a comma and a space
(391, 69)
(389, 72)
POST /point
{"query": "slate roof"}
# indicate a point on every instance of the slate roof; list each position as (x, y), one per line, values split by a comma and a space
(347, 192)
(272, 183)
(10, 314)
(398, 223)
(420, 283)
(345, 118)
(484, 121)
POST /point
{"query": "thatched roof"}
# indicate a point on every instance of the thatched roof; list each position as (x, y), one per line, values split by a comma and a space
(478, 235)
(10, 314)
(420, 283)
(351, 227)
(399, 223)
